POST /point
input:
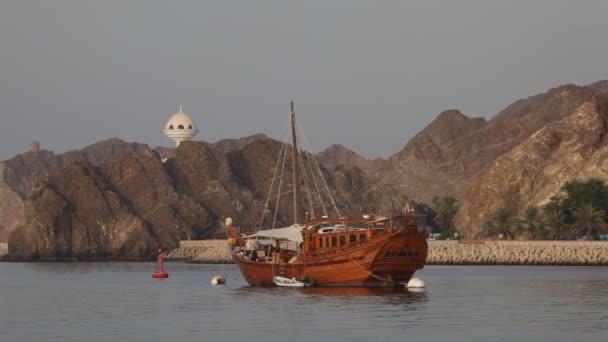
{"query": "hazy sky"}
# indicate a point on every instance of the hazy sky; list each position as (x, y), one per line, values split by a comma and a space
(365, 74)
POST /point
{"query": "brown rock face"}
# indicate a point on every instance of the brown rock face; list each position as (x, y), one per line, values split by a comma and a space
(574, 147)
(123, 209)
(336, 155)
(127, 208)
(19, 174)
(11, 208)
(455, 149)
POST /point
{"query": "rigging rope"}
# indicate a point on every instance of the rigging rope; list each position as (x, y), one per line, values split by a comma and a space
(386, 280)
(314, 179)
(276, 209)
(305, 176)
(333, 202)
(308, 195)
(274, 177)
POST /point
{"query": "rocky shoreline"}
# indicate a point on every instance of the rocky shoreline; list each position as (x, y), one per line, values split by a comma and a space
(566, 253)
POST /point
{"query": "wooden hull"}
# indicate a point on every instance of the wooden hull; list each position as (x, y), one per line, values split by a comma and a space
(387, 260)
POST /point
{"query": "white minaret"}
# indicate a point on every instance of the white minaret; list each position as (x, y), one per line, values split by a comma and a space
(180, 127)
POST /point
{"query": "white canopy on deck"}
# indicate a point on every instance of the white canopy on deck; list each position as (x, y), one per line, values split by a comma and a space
(291, 233)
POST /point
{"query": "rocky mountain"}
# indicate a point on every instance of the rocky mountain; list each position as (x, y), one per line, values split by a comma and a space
(336, 155)
(600, 86)
(18, 174)
(224, 145)
(126, 208)
(575, 147)
(454, 149)
(121, 200)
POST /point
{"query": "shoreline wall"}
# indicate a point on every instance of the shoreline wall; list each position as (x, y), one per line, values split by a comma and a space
(202, 251)
(580, 253)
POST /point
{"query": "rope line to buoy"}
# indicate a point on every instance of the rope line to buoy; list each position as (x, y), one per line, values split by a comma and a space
(377, 277)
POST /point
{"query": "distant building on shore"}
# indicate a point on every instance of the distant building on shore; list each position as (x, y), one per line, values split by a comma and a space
(180, 127)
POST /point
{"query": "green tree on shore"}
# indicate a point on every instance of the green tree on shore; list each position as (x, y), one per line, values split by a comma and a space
(555, 221)
(531, 222)
(576, 202)
(590, 219)
(445, 210)
(501, 223)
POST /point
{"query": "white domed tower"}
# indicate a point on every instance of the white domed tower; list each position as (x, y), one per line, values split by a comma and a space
(180, 127)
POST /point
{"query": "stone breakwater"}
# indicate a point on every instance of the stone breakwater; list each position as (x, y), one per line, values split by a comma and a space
(3, 250)
(202, 251)
(449, 252)
(518, 253)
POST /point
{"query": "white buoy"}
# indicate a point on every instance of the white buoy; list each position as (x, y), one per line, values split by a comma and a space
(415, 283)
(218, 280)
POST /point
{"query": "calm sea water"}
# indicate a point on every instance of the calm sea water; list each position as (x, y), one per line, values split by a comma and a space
(120, 301)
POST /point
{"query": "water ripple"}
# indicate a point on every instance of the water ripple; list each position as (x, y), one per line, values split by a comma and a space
(102, 301)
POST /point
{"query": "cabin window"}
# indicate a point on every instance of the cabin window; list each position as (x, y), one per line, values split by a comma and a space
(334, 241)
(189, 126)
(393, 253)
(342, 240)
(352, 238)
(170, 126)
(327, 241)
(362, 237)
(320, 242)
(180, 127)
(401, 253)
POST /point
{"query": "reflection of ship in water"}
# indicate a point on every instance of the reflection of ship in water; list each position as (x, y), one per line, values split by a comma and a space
(393, 296)
(362, 291)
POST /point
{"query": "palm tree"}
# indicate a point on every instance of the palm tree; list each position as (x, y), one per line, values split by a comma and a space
(589, 218)
(555, 221)
(501, 224)
(445, 210)
(531, 222)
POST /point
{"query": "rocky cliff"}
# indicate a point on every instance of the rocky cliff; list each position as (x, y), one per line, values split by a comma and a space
(126, 208)
(18, 174)
(574, 147)
(454, 149)
(336, 155)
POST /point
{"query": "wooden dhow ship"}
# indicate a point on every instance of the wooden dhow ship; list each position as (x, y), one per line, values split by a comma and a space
(364, 249)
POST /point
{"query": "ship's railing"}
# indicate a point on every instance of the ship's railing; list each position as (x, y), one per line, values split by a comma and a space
(347, 247)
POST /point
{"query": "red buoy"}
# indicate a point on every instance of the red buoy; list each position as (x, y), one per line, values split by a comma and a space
(159, 269)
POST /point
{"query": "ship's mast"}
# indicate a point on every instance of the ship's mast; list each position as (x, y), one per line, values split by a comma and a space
(296, 167)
